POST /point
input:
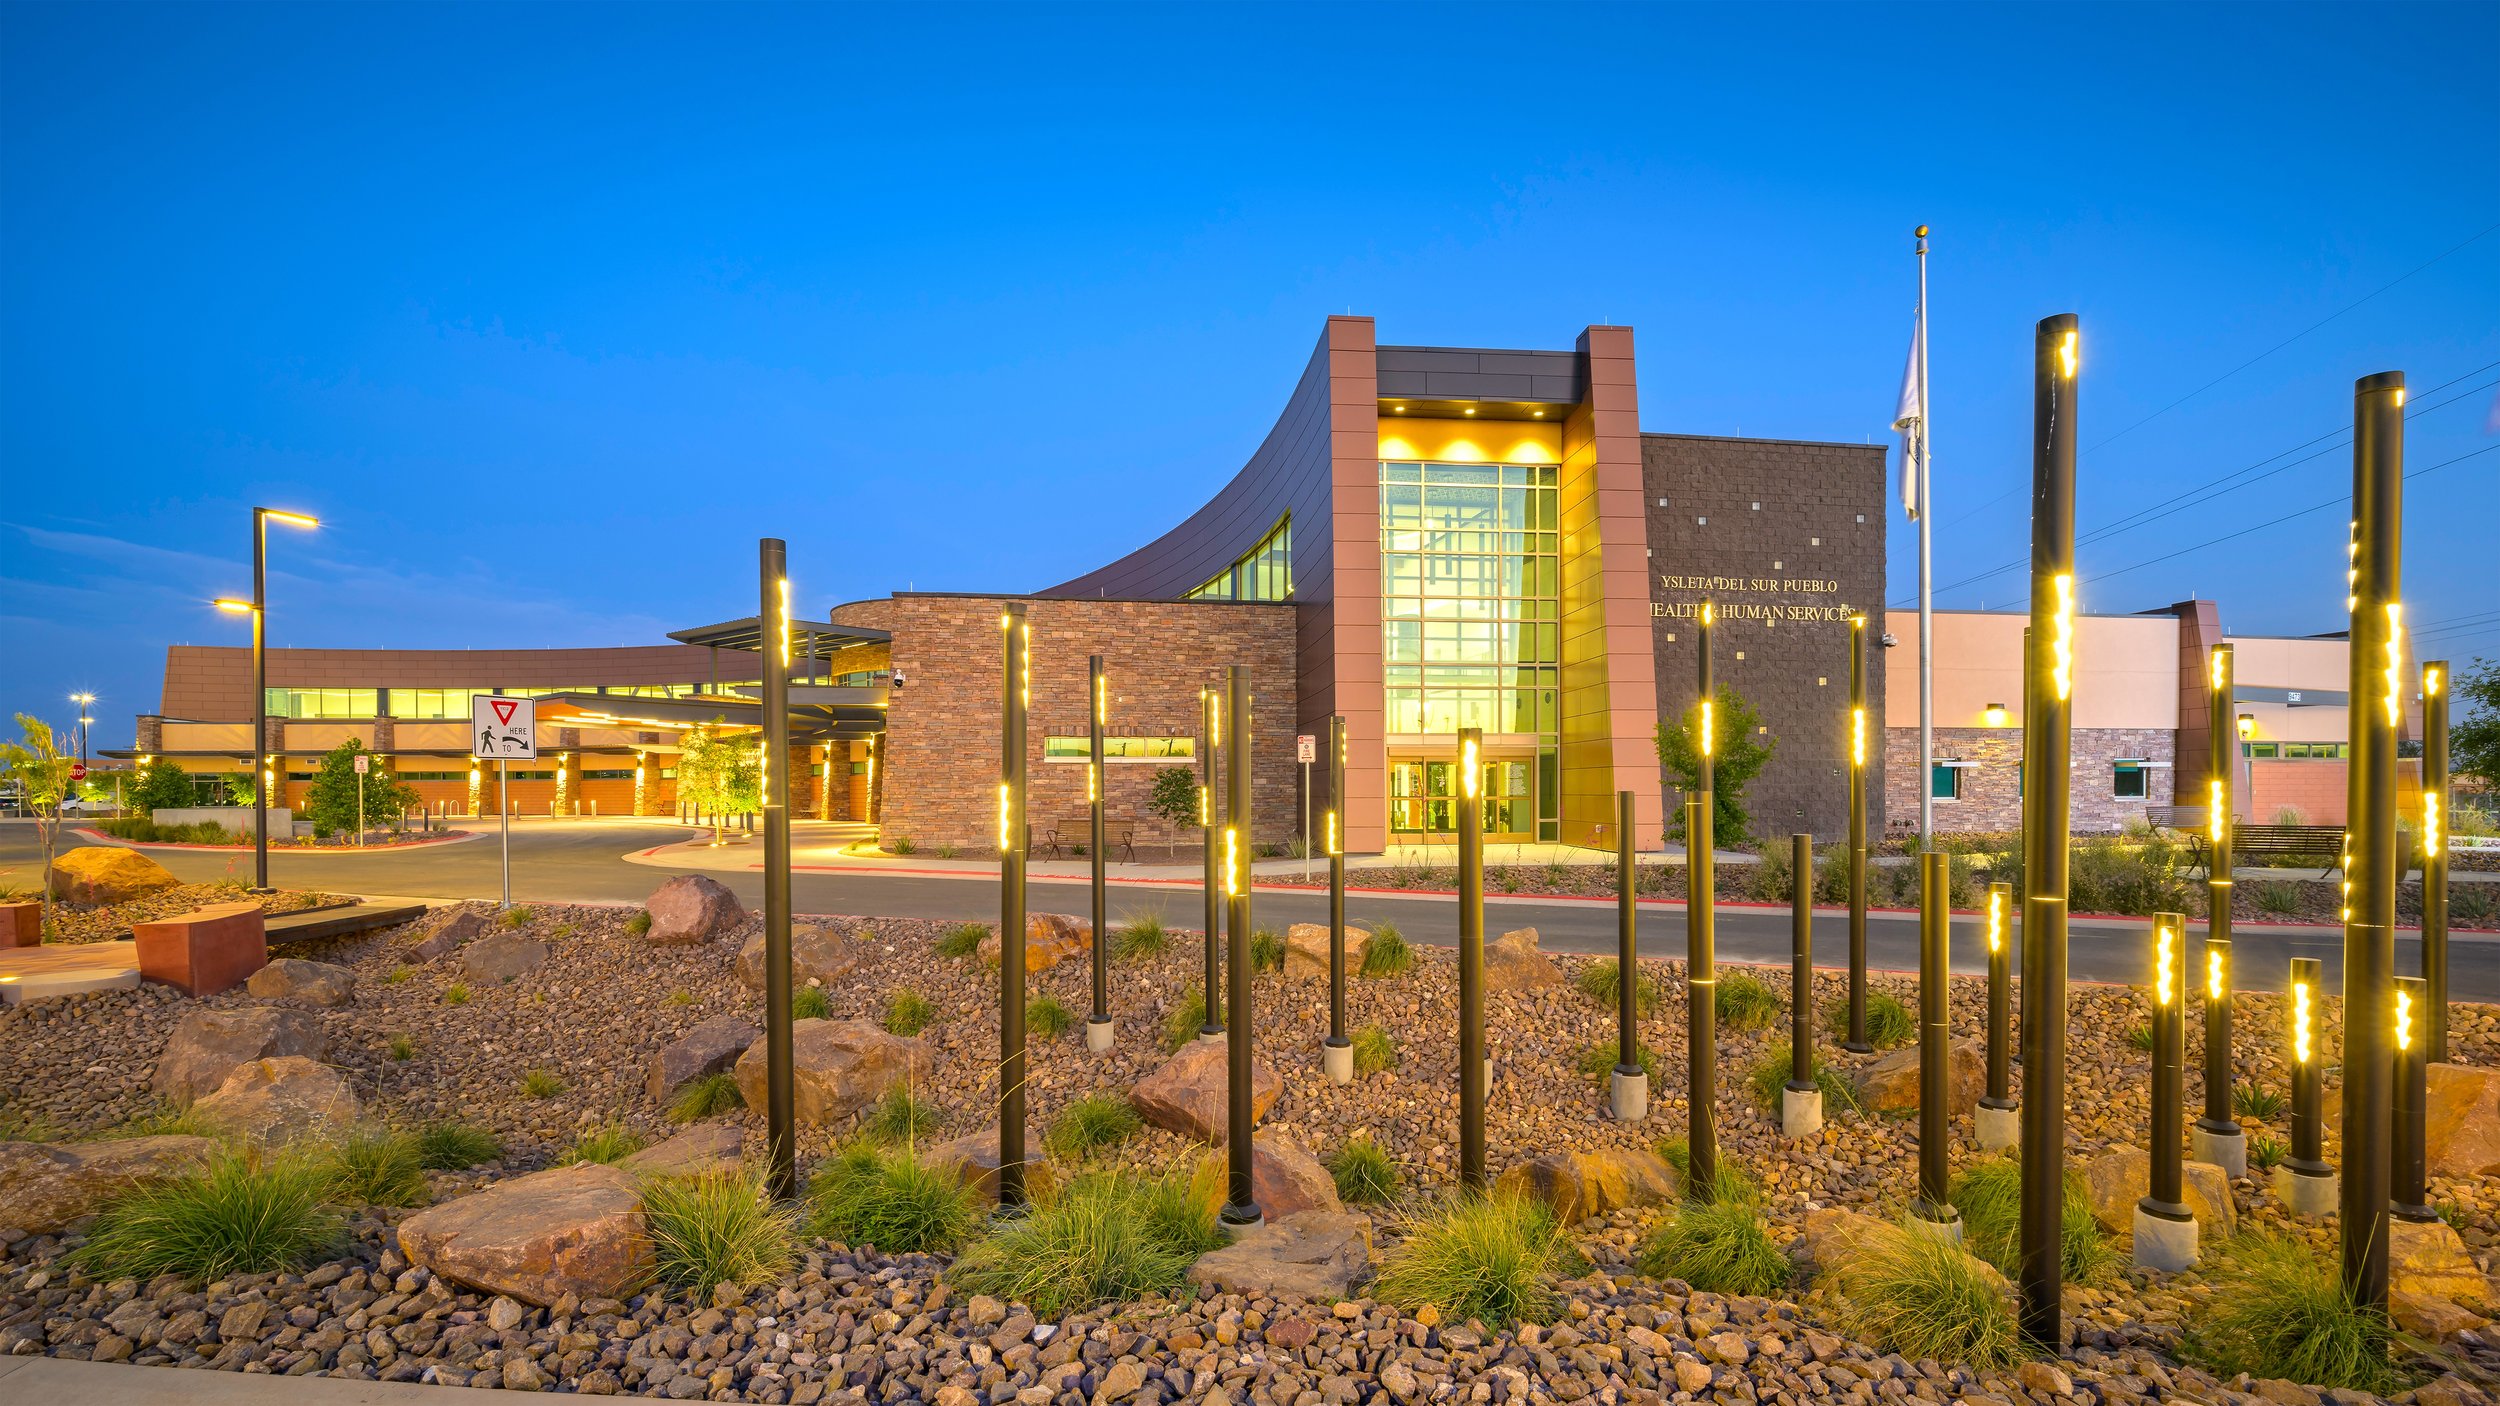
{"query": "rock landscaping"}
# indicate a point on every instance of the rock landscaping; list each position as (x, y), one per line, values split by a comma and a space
(535, 1251)
(75, 921)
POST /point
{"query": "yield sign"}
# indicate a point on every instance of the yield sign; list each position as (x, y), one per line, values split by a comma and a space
(504, 728)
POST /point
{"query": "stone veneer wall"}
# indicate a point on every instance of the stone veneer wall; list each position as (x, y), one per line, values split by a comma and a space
(1990, 791)
(940, 760)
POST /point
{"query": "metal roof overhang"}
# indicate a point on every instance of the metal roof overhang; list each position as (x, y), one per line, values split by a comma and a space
(812, 639)
(817, 713)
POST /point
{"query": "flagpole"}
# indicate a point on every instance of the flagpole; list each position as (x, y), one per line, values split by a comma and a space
(1926, 603)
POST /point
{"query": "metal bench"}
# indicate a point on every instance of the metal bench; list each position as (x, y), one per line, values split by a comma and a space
(2322, 842)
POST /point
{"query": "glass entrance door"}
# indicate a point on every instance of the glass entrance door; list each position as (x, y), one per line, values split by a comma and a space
(1423, 798)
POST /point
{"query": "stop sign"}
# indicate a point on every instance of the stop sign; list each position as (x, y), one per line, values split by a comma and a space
(77, 771)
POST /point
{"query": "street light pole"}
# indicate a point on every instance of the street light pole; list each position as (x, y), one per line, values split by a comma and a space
(780, 1076)
(1016, 691)
(263, 770)
(1098, 704)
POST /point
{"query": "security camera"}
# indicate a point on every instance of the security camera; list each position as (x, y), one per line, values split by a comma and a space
(898, 678)
(1889, 640)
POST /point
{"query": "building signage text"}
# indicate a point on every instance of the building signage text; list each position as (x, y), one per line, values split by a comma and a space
(1715, 588)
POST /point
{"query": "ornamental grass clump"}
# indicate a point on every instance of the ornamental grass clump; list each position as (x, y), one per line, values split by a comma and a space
(1103, 1237)
(542, 1083)
(1493, 1258)
(237, 1213)
(1389, 954)
(1888, 1021)
(1598, 1062)
(2255, 1102)
(607, 1145)
(811, 1003)
(869, 1195)
(1601, 982)
(1091, 1124)
(638, 924)
(1363, 1172)
(1728, 1182)
(901, 1116)
(378, 1167)
(1046, 1017)
(1267, 950)
(907, 1012)
(1141, 938)
(1374, 1051)
(1908, 1291)
(2280, 1309)
(1768, 1081)
(1989, 1196)
(705, 1096)
(1718, 1247)
(962, 940)
(452, 1147)
(1186, 1019)
(1745, 1001)
(717, 1228)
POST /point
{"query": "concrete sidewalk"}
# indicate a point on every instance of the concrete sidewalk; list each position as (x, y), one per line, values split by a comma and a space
(61, 1381)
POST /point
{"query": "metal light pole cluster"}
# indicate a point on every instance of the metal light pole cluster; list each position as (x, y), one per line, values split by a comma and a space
(1801, 1100)
(2435, 858)
(2216, 1137)
(1998, 1121)
(2410, 1197)
(1211, 833)
(1241, 1209)
(1098, 711)
(1935, 1074)
(1337, 1055)
(2048, 709)
(1701, 1132)
(263, 761)
(1016, 694)
(2165, 1230)
(780, 1079)
(1628, 1090)
(1861, 735)
(1471, 1048)
(2304, 1180)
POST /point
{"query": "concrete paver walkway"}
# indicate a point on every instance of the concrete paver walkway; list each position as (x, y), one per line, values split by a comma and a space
(60, 1381)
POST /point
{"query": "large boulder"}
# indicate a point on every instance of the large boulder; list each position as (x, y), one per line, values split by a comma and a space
(1187, 1093)
(502, 958)
(699, 1150)
(1890, 1084)
(575, 1230)
(818, 957)
(1831, 1236)
(44, 1188)
(842, 1066)
(709, 1048)
(1322, 1256)
(2461, 1121)
(445, 931)
(310, 983)
(974, 1160)
(1284, 1179)
(93, 874)
(210, 1044)
(2429, 1259)
(1306, 950)
(1513, 963)
(693, 908)
(1049, 939)
(2120, 1177)
(277, 1101)
(1578, 1185)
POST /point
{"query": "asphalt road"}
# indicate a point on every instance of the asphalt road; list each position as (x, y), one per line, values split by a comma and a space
(580, 861)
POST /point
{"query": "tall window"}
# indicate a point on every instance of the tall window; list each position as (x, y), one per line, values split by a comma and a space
(324, 702)
(1470, 570)
(1263, 573)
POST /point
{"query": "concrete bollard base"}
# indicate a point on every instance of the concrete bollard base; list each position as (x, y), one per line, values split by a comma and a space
(2229, 1151)
(1947, 1227)
(1098, 1035)
(1337, 1062)
(2308, 1193)
(1801, 1113)
(2162, 1242)
(1999, 1128)
(1629, 1097)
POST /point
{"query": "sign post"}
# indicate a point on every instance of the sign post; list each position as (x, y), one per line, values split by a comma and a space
(1306, 751)
(504, 729)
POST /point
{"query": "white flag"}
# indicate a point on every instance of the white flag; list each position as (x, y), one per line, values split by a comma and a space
(1910, 418)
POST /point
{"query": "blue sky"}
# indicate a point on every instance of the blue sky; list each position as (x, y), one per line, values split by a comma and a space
(551, 312)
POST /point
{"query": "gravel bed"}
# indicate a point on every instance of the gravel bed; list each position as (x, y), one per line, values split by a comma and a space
(107, 921)
(851, 1326)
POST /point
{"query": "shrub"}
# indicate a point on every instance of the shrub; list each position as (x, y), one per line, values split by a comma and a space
(402, 1048)
(2134, 874)
(609, 1145)
(1745, 1001)
(811, 1003)
(1141, 938)
(2278, 1309)
(1363, 1172)
(1602, 983)
(681, 997)
(902, 844)
(2266, 1151)
(1598, 1062)
(1888, 1021)
(1047, 1017)
(1718, 1247)
(163, 1120)
(516, 917)
(1267, 950)
(1104, 1237)
(962, 940)
(1772, 878)
(456, 994)
(451, 1147)
(542, 1083)
(1769, 1079)
(1374, 1051)
(2468, 903)
(865, 1195)
(1090, 1124)
(1184, 1022)
(907, 1012)
(398, 974)
(717, 1228)
(639, 924)
(1989, 1195)
(944, 851)
(2278, 898)
(2255, 1101)
(378, 1167)
(1916, 1294)
(705, 1096)
(1389, 953)
(901, 1116)
(19, 1126)
(1728, 1181)
(1485, 1257)
(238, 1213)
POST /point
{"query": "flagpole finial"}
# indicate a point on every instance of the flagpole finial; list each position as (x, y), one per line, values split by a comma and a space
(1922, 231)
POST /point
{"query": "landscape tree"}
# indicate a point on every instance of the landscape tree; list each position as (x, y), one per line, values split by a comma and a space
(42, 777)
(161, 785)
(719, 777)
(1175, 801)
(2474, 740)
(1738, 752)
(331, 803)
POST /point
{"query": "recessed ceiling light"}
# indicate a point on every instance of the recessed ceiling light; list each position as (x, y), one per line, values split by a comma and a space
(1399, 408)
(1469, 410)
(1540, 414)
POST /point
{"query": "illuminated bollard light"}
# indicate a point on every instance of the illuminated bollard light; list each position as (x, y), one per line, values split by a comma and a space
(1932, 1212)
(1999, 1121)
(1628, 1091)
(2410, 1198)
(2216, 1136)
(1241, 1213)
(1474, 1063)
(2307, 1185)
(1801, 1102)
(1337, 1052)
(2165, 1230)
(1098, 1024)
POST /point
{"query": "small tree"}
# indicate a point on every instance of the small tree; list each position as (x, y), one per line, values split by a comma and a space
(42, 777)
(1738, 752)
(2474, 741)
(719, 776)
(161, 785)
(1175, 800)
(330, 803)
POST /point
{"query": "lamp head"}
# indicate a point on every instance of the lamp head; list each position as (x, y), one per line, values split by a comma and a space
(1996, 715)
(2248, 725)
(232, 606)
(290, 519)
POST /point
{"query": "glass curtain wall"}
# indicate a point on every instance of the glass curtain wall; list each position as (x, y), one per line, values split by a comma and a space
(1470, 570)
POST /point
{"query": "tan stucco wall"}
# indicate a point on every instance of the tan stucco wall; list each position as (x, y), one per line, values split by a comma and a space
(2126, 669)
